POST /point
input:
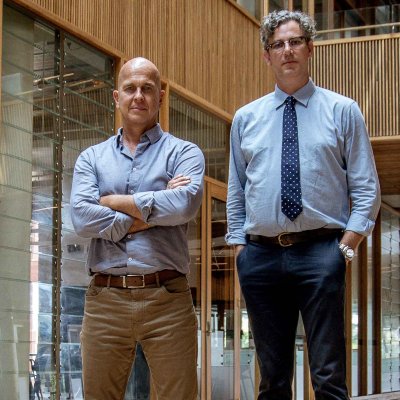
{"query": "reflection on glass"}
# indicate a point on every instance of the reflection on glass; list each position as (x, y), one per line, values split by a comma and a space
(194, 278)
(208, 132)
(299, 369)
(276, 5)
(342, 15)
(247, 356)
(355, 270)
(87, 119)
(390, 301)
(56, 101)
(222, 307)
(254, 7)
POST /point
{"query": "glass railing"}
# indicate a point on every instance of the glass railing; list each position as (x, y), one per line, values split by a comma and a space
(356, 22)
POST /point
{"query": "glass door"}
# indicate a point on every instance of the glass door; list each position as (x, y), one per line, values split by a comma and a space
(222, 321)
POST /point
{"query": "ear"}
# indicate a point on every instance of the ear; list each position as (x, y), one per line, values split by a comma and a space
(310, 45)
(116, 97)
(267, 57)
(162, 93)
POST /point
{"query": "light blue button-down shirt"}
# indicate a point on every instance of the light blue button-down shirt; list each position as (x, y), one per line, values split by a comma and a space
(110, 168)
(336, 164)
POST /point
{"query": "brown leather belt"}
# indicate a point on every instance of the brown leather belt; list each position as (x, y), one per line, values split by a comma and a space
(135, 281)
(286, 239)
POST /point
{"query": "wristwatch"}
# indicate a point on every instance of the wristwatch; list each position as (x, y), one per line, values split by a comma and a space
(347, 251)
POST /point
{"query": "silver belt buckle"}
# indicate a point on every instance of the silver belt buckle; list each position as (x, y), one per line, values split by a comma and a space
(280, 239)
(132, 287)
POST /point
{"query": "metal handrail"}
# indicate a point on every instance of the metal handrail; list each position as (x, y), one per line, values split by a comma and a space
(358, 28)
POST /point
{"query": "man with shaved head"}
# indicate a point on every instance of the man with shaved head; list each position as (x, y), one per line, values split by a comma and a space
(133, 196)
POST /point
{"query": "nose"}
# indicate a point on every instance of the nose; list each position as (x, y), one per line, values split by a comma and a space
(138, 94)
(287, 47)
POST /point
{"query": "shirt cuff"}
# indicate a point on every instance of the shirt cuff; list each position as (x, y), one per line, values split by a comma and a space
(235, 239)
(118, 228)
(360, 224)
(144, 201)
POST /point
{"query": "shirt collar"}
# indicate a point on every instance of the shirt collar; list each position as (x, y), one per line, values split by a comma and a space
(302, 96)
(152, 135)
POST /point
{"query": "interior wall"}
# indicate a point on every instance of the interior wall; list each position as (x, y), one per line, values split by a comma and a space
(209, 47)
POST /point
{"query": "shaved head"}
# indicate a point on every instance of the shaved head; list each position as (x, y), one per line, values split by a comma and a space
(139, 64)
(139, 95)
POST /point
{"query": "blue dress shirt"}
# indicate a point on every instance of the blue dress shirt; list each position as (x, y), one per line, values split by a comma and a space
(110, 168)
(336, 164)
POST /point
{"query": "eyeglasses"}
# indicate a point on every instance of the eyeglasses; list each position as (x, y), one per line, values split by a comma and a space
(294, 43)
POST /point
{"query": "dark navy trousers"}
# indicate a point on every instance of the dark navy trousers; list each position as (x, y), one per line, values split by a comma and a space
(278, 283)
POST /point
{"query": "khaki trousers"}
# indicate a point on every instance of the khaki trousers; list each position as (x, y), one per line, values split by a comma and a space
(161, 318)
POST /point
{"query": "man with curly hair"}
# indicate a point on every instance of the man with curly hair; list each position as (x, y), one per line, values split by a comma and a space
(299, 157)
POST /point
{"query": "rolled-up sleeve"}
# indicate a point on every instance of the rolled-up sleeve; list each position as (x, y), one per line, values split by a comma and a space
(177, 206)
(363, 182)
(236, 207)
(89, 218)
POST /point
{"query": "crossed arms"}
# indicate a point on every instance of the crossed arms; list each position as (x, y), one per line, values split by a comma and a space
(125, 203)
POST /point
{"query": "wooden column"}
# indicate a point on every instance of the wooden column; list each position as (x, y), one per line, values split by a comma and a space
(237, 327)
(164, 109)
(311, 8)
(307, 385)
(119, 62)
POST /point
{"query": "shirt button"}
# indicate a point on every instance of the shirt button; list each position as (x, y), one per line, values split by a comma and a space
(129, 236)
(132, 191)
(134, 169)
(130, 259)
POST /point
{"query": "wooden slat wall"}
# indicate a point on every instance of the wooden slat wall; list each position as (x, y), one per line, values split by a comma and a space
(367, 71)
(208, 47)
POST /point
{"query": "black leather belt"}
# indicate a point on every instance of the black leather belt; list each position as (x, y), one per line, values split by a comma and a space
(286, 239)
(135, 281)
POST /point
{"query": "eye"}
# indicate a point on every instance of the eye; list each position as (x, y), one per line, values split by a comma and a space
(295, 42)
(129, 89)
(147, 88)
(277, 45)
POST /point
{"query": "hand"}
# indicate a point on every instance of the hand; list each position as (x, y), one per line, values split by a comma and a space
(352, 239)
(138, 226)
(238, 249)
(105, 201)
(121, 202)
(177, 181)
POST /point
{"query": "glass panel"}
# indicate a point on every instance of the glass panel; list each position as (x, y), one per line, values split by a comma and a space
(300, 365)
(341, 15)
(254, 7)
(26, 292)
(48, 97)
(88, 103)
(300, 5)
(208, 132)
(88, 118)
(370, 346)
(222, 307)
(275, 5)
(247, 356)
(390, 302)
(354, 325)
(194, 277)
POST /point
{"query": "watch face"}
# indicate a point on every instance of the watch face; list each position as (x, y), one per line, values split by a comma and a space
(349, 253)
